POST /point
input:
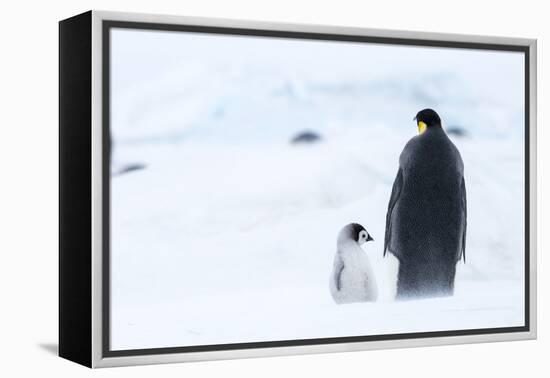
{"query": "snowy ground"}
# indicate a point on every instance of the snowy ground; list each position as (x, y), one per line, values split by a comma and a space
(228, 233)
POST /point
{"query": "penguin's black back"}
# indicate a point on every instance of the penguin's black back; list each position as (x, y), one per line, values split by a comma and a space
(426, 224)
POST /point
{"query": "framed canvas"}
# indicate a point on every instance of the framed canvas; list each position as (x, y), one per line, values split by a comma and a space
(238, 189)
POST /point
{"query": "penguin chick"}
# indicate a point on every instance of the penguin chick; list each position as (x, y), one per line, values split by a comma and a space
(352, 278)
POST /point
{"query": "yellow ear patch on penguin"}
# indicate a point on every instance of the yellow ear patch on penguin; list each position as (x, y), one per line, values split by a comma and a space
(421, 127)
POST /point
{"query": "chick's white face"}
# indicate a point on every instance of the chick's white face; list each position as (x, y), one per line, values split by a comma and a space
(363, 237)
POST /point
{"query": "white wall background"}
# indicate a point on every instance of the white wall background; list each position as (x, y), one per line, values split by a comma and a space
(28, 191)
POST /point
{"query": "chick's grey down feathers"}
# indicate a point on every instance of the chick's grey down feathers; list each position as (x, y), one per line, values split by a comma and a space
(352, 232)
(338, 268)
(352, 278)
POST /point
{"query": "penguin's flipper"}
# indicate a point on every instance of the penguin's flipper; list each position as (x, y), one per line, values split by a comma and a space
(462, 253)
(395, 193)
(337, 272)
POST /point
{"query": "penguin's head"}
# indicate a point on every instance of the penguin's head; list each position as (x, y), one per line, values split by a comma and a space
(355, 232)
(427, 118)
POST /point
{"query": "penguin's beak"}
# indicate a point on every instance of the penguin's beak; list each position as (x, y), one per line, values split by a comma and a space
(369, 238)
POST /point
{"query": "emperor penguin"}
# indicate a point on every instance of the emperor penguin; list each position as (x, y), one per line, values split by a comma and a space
(426, 217)
(352, 278)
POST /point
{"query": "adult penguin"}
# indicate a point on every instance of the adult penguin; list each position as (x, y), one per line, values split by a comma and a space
(426, 218)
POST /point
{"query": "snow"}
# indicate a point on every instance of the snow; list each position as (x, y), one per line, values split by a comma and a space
(228, 233)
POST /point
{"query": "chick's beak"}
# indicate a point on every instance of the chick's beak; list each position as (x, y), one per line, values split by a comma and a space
(369, 238)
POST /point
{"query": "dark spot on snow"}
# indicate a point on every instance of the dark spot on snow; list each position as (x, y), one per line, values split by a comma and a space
(306, 137)
(457, 131)
(129, 168)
